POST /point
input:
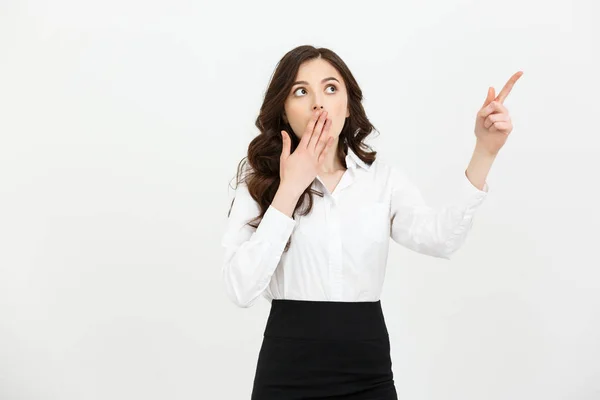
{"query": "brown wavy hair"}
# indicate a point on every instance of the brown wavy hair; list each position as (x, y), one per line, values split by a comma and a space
(260, 168)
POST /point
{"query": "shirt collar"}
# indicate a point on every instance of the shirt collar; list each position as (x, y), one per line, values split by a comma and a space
(352, 160)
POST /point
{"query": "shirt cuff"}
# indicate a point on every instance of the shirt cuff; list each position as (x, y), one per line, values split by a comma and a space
(275, 226)
(469, 194)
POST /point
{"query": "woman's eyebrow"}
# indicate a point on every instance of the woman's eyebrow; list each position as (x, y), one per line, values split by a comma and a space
(331, 78)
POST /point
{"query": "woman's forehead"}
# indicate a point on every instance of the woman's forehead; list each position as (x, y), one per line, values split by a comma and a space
(317, 69)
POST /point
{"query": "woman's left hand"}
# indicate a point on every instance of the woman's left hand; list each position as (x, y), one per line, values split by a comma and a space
(493, 124)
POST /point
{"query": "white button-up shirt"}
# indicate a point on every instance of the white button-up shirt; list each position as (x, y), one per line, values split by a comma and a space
(339, 251)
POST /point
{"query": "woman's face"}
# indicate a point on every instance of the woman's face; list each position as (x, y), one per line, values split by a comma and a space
(312, 89)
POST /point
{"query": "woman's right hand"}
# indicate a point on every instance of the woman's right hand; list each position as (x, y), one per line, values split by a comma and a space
(299, 169)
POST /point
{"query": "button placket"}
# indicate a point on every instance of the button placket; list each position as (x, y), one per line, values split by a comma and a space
(335, 248)
(331, 246)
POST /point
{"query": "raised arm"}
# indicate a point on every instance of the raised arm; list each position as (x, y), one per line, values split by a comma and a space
(434, 231)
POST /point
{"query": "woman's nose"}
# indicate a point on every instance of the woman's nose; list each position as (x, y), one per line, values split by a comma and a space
(316, 107)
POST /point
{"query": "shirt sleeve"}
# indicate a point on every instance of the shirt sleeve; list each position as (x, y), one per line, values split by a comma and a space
(437, 232)
(252, 254)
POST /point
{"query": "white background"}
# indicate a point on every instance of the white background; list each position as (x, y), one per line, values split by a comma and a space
(122, 124)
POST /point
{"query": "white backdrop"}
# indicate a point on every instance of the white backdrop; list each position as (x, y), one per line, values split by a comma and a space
(122, 124)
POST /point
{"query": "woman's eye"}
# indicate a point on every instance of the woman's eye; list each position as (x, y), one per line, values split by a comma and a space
(330, 86)
(299, 89)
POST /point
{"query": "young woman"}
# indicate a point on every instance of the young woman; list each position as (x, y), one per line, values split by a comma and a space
(310, 223)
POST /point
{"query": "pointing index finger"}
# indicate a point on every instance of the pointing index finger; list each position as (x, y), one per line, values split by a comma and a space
(508, 86)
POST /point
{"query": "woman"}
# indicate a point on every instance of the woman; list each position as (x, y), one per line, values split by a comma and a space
(320, 260)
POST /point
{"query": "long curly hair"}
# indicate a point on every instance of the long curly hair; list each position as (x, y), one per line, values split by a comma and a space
(260, 168)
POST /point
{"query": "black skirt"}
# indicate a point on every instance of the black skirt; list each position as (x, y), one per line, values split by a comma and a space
(322, 349)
